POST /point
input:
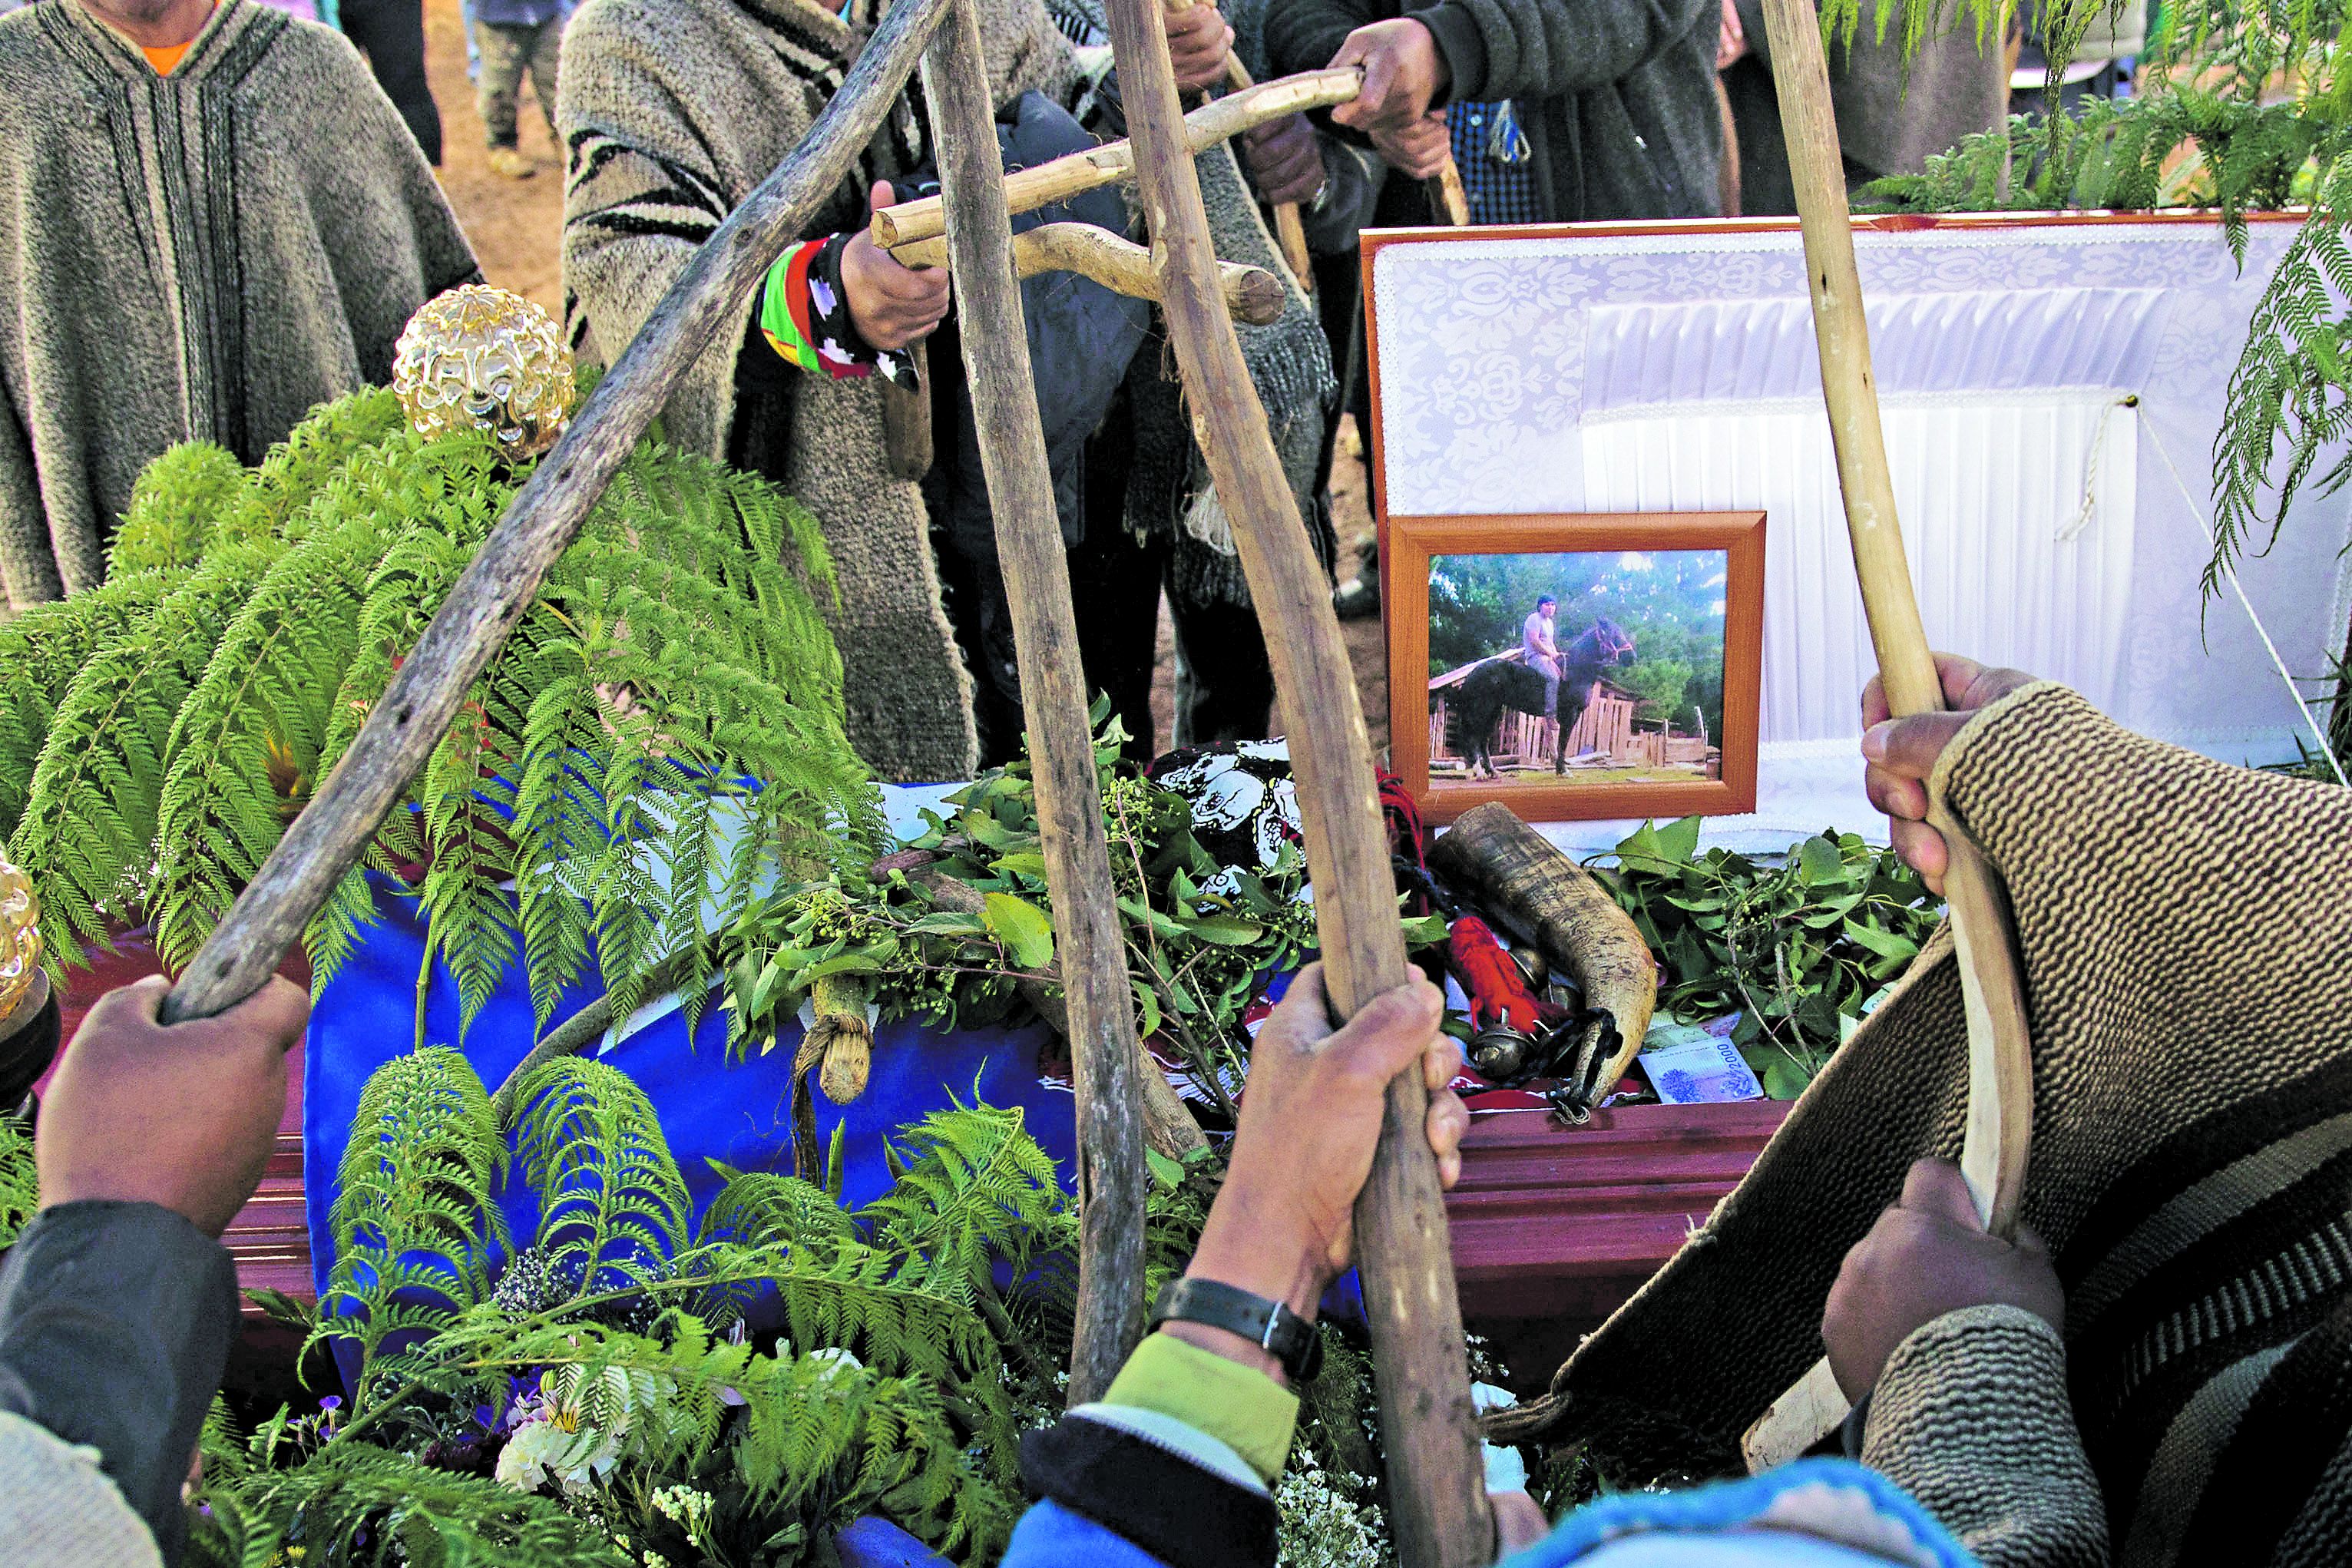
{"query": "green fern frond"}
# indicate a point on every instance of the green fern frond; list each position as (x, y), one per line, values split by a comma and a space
(249, 732)
(175, 507)
(358, 1505)
(415, 1211)
(42, 650)
(611, 1201)
(87, 835)
(763, 1208)
(20, 1183)
(976, 1187)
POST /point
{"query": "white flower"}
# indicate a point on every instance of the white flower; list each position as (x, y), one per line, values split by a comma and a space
(541, 1450)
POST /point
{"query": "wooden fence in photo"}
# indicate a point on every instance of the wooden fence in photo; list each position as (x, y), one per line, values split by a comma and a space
(1605, 729)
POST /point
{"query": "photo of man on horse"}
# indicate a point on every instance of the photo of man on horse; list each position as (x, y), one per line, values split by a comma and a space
(1609, 666)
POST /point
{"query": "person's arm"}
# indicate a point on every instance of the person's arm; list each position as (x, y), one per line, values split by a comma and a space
(1303, 34)
(1173, 1464)
(118, 1303)
(1486, 49)
(1971, 1417)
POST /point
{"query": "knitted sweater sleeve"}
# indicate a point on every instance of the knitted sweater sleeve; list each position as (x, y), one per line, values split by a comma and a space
(1971, 1417)
(642, 195)
(1303, 34)
(1544, 49)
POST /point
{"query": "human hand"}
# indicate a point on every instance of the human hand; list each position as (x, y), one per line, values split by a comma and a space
(1419, 149)
(1519, 1522)
(1898, 755)
(1730, 39)
(893, 305)
(1311, 1116)
(184, 1116)
(1285, 159)
(1928, 1255)
(1199, 42)
(1403, 73)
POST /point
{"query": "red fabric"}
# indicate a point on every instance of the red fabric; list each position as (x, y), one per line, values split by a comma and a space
(1491, 978)
(1407, 838)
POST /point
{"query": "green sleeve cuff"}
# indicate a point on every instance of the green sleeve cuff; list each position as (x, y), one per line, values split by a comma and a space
(1239, 1405)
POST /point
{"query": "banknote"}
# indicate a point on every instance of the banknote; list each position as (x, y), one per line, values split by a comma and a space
(1688, 1066)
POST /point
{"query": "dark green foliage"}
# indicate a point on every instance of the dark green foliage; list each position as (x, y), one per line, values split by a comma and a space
(1199, 936)
(179, 718)
(20, 1185)
(1800, 949)
(358, 1505)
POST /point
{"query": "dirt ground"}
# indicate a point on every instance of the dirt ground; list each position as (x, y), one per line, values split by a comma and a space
(516, 226)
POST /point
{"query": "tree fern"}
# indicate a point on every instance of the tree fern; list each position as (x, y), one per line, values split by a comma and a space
(87, 834)
(977, 1187)
(612, 1201)
(20, 1184)
(42, 650)
(175, 509)
(660, 737)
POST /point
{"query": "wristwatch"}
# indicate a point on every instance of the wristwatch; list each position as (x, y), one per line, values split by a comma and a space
(1270, 1325)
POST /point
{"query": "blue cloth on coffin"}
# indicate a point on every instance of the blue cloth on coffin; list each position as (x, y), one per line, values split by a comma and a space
(739, 1114)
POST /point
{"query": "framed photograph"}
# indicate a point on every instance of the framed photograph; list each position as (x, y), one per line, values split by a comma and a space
(1576, 667)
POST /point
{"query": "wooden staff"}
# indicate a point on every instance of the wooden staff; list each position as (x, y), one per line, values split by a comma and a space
(1252, 293)
(1058, 179)
(1448, 202)
(1093, 953)
(1438, 1482)
(1289, 228)
(2001, 1062)
(704, 305)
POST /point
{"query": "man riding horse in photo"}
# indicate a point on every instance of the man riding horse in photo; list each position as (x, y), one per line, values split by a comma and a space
(1533, 684)
(1541, 653)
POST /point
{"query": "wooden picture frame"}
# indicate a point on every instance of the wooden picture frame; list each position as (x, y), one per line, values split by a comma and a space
(1722, 766)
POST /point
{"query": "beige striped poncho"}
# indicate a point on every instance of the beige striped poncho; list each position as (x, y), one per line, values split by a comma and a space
(2187, 934)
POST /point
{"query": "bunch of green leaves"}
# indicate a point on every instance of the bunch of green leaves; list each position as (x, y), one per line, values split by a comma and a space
(1799, 947)
(1199, 936)
(176, 718)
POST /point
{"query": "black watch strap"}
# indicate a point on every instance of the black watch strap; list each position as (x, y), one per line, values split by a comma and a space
(1271, 1325)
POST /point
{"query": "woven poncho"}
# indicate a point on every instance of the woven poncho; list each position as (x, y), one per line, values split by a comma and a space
(2185, 928)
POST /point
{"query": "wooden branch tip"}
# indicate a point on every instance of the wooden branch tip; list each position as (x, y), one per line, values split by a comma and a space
(1062, 178)
(1091, 945)
(2001, 1062)
(1121, 266)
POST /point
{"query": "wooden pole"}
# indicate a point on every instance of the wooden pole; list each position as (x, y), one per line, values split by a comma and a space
(1091, 950)
(1058, 179)
(2001, 1061)
(1438, 1484)
(1290, 230)
(704, 305)
(1252, 293)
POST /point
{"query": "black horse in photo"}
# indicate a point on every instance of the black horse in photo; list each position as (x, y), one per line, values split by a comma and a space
(1494, 685)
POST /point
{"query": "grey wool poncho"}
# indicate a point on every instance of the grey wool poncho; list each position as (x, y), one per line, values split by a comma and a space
(670, 114)
(204, 256)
